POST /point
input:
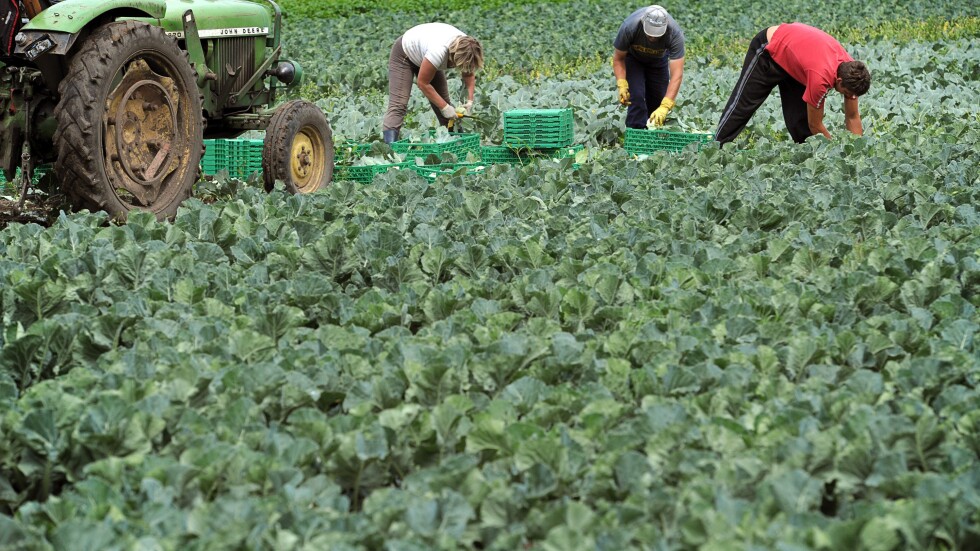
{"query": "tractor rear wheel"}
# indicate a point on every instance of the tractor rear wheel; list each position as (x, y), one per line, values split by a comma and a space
(298, 148)
(130, 130)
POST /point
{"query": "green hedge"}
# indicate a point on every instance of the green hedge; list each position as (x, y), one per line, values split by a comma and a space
(341, 8)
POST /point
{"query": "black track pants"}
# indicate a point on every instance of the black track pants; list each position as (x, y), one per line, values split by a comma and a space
(760, 74)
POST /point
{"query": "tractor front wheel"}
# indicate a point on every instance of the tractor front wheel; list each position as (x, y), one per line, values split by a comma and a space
(298, 148)
(130, 130)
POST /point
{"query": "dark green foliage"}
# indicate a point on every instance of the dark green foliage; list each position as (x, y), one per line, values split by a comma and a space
(529, 355)
(764, 347)
(326, 9)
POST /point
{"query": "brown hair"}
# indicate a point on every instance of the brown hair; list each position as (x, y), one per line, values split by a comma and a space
(854, 76)
(467, 54)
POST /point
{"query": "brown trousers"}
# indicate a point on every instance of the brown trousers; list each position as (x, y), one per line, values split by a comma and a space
(401, 73)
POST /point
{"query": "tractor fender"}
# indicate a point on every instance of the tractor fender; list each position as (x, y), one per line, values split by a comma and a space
(55, 29)
(71, 16)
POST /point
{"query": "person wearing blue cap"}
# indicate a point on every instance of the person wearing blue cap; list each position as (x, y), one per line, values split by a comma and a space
(648, 61)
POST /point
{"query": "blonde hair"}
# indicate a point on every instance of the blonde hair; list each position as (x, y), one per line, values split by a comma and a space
(467, 54)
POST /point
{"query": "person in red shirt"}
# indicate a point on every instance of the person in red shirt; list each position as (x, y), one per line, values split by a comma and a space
(806, 64)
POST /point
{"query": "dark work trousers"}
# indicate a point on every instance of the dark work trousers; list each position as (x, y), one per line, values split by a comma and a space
(648, 86)
(760, 74)
(401, 74)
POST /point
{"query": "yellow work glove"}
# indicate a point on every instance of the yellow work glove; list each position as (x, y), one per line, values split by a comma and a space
(658, 117)
(624, 91)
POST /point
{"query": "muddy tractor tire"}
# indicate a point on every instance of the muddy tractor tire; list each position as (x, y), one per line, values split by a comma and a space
(298, 148)
(130, 126)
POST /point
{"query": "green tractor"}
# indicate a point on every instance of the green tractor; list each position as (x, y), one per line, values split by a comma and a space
(119, 95)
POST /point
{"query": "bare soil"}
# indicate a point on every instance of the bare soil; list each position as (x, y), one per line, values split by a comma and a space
(38, 209)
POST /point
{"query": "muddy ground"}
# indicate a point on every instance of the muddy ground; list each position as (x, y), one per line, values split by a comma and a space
(38, 209)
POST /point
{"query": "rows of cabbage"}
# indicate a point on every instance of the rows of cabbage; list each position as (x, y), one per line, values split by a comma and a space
(769, 346)
(556, 55)
(773, 346)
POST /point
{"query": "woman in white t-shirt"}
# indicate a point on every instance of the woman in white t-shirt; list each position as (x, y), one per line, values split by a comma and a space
(426, 51)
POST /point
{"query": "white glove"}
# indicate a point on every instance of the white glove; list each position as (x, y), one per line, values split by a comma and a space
(449, 112)
(468, 107)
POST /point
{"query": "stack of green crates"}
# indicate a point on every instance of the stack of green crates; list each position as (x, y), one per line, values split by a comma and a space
(212, 161)
(538, 128)
(240, 157)
(645, 142)
(460, 145)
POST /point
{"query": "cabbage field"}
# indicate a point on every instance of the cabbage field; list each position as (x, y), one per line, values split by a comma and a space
(766, 346)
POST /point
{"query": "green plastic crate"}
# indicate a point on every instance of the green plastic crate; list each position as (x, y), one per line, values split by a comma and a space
(501, 154)
(215, 157)
(462, 144)
(539, 140)
(565, 152)
(364, 174)
(431, 172)
(539, 117)
(239, 157)
(645, 142)
(245, 157)
(539, 128)
(351, 150)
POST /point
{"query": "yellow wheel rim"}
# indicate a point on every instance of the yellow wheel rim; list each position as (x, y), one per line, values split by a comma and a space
(306, 160)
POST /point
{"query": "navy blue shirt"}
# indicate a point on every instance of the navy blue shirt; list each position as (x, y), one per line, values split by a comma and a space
(633, 40)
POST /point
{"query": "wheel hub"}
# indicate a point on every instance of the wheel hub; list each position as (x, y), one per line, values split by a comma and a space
(143, 138)
(303, 158)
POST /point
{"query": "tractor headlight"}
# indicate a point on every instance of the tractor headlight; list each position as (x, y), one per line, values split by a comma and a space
(289, 73)
(33, 44)
(34, 51)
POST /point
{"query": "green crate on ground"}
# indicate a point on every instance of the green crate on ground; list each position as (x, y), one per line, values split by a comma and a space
(365, 174)
(431, 172)
(539, 128)
(565, 152)
(539, 140)
(460, 145)
(351, 150)
(209, 162)
(239, 157)
(245, 158)
(645, 142)
(501, 154)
